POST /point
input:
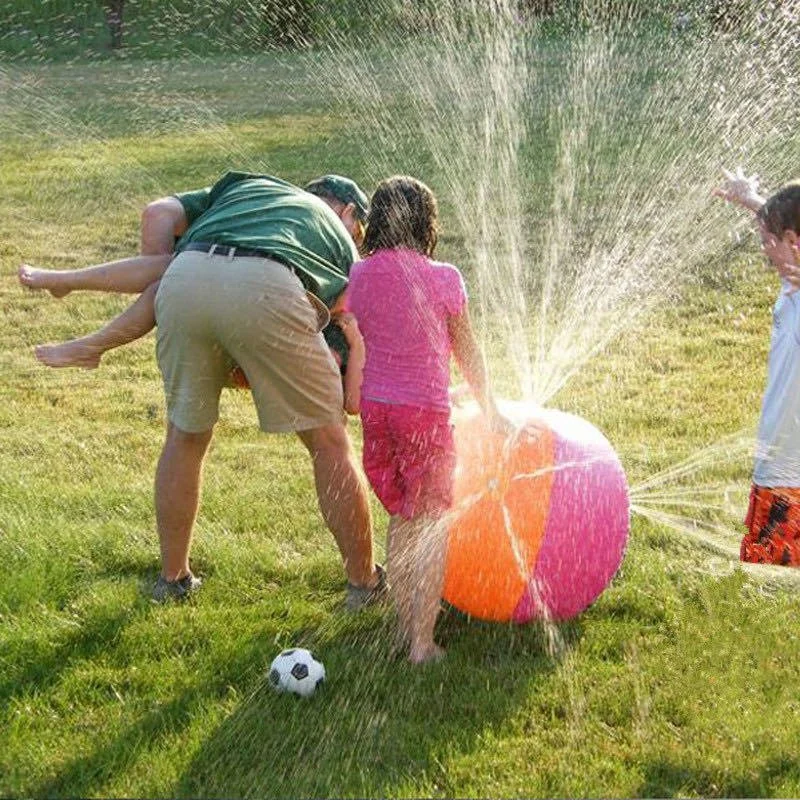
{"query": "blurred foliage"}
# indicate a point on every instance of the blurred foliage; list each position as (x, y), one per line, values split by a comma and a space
(87, 29)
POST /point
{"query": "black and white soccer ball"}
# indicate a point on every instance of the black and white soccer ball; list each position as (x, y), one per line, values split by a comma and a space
(297, 671)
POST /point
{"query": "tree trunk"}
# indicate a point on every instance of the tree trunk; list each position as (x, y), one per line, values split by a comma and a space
(114, 10)
(537, 8)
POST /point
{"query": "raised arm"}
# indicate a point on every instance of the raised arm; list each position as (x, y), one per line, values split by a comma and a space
(740, 189)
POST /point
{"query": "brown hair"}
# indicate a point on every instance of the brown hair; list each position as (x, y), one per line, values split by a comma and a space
(781, 211)
(403, 213)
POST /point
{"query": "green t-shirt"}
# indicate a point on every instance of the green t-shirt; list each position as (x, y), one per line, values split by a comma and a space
(265, 213)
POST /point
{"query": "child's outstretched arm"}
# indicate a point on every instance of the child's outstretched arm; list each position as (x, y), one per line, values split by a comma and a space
(473, 366)
(740, 189)
(354, 374)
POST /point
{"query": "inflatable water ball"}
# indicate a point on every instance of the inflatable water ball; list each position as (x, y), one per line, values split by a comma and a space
(540, 521)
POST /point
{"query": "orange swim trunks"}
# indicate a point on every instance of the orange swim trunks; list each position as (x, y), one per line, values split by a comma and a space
(773, 527)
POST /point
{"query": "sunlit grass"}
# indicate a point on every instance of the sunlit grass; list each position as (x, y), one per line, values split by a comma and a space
(679, 681)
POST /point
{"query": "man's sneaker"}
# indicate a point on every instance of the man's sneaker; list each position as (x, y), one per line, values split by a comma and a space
(180, 589)
(359, 597)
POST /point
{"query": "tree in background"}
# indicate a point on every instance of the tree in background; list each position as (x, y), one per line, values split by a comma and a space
(537, 8)
(288, 23)
(113, 10)
(728, 15)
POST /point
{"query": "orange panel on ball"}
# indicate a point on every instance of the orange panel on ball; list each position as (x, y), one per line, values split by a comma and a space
(487, 568)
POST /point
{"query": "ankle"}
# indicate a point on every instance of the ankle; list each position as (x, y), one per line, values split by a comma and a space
(175, 575)
(425, 653)
(367, 579)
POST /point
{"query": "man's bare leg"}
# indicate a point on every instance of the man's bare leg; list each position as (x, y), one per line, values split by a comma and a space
(133, 323)
(343, 500)
(177, 497)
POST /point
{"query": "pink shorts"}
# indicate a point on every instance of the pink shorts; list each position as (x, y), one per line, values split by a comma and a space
(409, 457)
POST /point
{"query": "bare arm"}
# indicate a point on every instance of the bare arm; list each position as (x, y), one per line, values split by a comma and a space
(354, 374)
(471, 362)
(740, 189)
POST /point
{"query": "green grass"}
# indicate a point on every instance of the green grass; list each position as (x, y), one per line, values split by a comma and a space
(679, 681)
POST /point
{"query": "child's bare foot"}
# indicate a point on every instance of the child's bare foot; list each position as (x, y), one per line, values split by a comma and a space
(69, 354)
(426, 655)
(49, 279)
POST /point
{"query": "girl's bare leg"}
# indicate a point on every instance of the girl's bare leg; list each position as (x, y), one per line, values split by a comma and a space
(418, 547)
(398, 566)
(428, 579)
(128, 275)
(133, 323)
(163, 221)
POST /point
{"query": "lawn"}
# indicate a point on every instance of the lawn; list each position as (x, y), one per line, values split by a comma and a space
(679, 681)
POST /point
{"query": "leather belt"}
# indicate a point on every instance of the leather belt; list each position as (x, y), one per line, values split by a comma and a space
(232, 251)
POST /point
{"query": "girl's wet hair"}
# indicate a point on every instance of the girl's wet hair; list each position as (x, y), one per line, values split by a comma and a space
(403, 213)
(781, 211)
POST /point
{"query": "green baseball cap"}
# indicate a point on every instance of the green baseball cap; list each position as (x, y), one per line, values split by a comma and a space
(342, 189)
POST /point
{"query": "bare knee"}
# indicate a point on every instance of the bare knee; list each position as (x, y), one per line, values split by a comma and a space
(162, 221)
(187, 440)
(329, 441)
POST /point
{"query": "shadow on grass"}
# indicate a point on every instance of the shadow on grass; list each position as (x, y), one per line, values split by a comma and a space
(42, 663)
(159, 725)
(378, 724)
(669, 779)
(85, 776)
(377, 727)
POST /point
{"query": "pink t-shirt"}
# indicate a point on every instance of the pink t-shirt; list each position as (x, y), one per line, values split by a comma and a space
(402, 300)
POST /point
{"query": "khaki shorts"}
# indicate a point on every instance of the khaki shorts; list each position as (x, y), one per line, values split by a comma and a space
(213, 311)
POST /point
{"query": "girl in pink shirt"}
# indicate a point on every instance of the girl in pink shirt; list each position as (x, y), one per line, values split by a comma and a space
(412, 314)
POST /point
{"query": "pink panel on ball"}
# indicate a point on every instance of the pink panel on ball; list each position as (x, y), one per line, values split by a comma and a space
(587, 528)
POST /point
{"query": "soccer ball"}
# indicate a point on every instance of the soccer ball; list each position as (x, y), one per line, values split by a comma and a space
(296, 671)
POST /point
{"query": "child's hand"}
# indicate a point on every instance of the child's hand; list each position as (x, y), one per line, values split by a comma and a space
(790, 273)
(349, 325)
(738, 188)
(459, 394)
(237, 379)
(500, 424)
